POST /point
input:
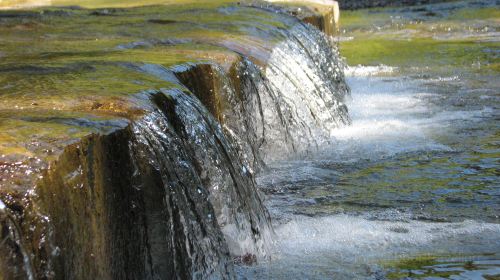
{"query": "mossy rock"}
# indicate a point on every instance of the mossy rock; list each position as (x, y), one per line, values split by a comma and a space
(72, 89)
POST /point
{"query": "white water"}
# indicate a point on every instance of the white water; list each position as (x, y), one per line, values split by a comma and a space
(352, 71)
(307, 74)
(352, 247)
(391, 115)
(356, 239)
(387, 118)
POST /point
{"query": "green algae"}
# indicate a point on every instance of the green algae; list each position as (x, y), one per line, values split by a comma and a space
(17, 131)
(35, 101)
(44, 133)
(86, 37)
(426, 266)
(459, 39)
(361, 19)
(58, 33)
(420, 52)
(71, 60)
(413, 263)
(10, 4)
(84, 88)
(414, 181)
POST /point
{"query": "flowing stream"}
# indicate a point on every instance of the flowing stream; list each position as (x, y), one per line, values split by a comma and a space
(409, 189)
(406, 178)
(389, 169)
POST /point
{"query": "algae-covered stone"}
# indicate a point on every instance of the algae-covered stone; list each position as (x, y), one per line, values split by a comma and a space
(110, 166)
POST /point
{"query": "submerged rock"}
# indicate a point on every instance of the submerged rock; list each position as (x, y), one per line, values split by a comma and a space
(128, 142)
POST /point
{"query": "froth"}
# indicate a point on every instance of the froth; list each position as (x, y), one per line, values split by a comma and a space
(364, 71)
(360, 239)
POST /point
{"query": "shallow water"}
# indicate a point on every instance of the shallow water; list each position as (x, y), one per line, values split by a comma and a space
(403, 150)
(415, 177)
(414, 174)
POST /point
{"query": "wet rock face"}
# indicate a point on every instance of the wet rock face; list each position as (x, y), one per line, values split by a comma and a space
(106, 176)
(135, 205)
(205, 82)
(167, 197)
(324, 15)
(12, 263)
(229, 181)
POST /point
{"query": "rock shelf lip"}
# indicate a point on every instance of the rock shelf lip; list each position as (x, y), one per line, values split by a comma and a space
(74, 83)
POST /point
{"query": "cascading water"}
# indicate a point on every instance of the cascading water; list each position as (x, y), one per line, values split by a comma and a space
(290, 108)
(182, 230)
(168, 191)
(230, 184)
(262, 118)
(307, 74)
(410, 189)
(333, 214)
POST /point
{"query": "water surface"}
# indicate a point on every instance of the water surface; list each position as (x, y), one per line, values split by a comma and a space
(411, 188)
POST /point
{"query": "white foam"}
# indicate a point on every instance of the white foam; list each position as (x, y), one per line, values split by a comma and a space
(359, 239)
(307, 79)
(389, 117)
(381, 104)
(445, 79)
(363, 71)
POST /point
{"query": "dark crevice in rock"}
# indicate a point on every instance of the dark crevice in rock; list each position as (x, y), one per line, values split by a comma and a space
(363, 4)
(162, 21)
(15, 263)
(202, 81)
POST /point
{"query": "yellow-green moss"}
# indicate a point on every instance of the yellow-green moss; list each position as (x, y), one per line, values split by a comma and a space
(477, 14)
(458, 39)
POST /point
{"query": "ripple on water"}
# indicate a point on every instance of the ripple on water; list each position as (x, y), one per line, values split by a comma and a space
(412, 175)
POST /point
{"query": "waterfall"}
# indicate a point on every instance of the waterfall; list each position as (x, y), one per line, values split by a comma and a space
(235, 121)
(219, 163)
(306, 73)
(182, 232)
(230, 183)
(289, 108)
(249, 116)
(172, 193)
(166, 197)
